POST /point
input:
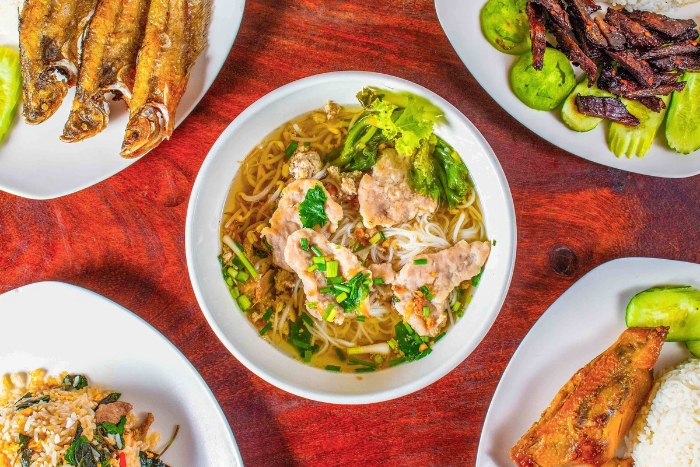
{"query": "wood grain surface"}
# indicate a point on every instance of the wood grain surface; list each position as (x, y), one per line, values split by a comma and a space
(124, 238)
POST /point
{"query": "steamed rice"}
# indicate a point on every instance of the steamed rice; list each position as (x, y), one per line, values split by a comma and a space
(51, 426)
(652, 5)
(666, 432)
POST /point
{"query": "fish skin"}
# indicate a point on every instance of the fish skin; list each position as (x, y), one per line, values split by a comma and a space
(108, 64)
(595, 409)
(49, 33)
(175, 37)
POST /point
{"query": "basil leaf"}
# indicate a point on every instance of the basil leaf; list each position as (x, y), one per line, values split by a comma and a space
(74, 382)
(113, 429)
(312, 211)
(27, 401)
(84, 455)
(25, 454)
(78, 440)
(148, 459)
(114, 397)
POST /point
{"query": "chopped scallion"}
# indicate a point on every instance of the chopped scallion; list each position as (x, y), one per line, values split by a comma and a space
(331, 316)
(291, 148)
(392, 343)
(375, 238)
(307, 356)
(397, 361)
(300, 344)
(456, 306)
(334, 280)
(304, 244)
(332, 269)
(417, 339)
(341, 297)
(240, 255)
(357, 361)
(408, 328)
(232, 272)
(312, 268)
(381, 234)
(332, 368)
(425, 353)
(325, 289)
(378, 281)
(311, 305)
(424, 290)
(327, 313)
(494, 242)
(430, 296)
(322, 267)
(229, 282)
(425, 339)
(420, 261)
(235, 293)
(439, 337)
(342, 288)
(318, 260)
(306, 318)
(267, 315)
(316, 251)
(242, 276)
(264, 330)
(361, 319)
(340, 354)
(364, 370)
(426, 311)
(244, 302)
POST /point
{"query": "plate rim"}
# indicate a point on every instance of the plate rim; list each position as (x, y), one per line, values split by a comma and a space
(23, 192)
(349, 399)
(499, 98)
(480, 455)
(79, 292)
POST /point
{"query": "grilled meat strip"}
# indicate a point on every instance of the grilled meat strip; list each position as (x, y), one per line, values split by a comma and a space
(668, 26)
(557, 13)
(591, 6)
(581, 19)
(608, 108)
(615, 84)
(640, 69)
(595, 409)
(616, 40)
(571, 49)
(49, 31)
(175, 36)
(636, 34)
(655, 104)
(677, 63)
(108, 64)
(535, 14)
(683, 48)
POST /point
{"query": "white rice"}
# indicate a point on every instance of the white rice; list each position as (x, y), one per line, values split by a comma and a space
(666, 433)
(652, 5)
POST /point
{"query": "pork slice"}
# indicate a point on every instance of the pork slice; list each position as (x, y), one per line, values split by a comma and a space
(557, 13)
(383, 271)
(683, 48)
(113, 412)
(668, 26)
(300, 261)
(616, 40)
(636, 34)
(677, 63)
(535, 14)
(571, 49)
(386, 198)
(285, 220)
(640, 69)
(608, 108)
(444, 271)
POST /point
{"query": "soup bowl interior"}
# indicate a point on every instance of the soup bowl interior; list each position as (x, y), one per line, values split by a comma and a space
(235, 330)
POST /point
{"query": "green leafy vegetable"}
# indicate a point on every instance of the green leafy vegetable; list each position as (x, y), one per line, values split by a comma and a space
(113, 397)
(476, 279)
(300, 337)
(76, 451)
(361, 146)
(113, 429)
(407, 344)
(423, 175)
(453, 174)
(291, 148)
(148, 459)
(505, 25)
(312, 210)
(27, 401)
(25, 454)
(358, 292)
(74, 382)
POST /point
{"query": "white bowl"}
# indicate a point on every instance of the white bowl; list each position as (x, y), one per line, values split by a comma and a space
(238, 334)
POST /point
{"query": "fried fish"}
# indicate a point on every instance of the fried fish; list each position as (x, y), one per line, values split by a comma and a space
(594, 410)
(49, 32)
(108, 64)
(175, 36)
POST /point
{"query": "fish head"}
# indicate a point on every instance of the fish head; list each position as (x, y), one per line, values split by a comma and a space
(44, 99)
(86, 119)
(145, 130)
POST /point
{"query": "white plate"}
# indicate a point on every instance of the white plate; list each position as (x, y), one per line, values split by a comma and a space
(34, 163)
(460, 20)
(232, 326)
(587, 319)
(60, 327)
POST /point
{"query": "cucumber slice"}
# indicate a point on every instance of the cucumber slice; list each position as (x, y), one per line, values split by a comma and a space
(683, 122)
(505, 25)
(676, 307)
(10, 87)
(694, 348)
(546, 89)
(636, 141)
(569, 111)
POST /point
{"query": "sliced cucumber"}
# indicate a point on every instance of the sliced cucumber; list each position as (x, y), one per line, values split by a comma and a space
(505, 25)
(569, 111)
(10, 87)
(545, 89)
(636, 141)
(683, 122)
(694, 347)
(676, 307)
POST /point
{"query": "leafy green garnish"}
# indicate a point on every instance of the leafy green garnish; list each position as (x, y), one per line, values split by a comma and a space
(74, 382)
(476, 279)
(358, 292)
(422, 176)
(27, 401)
(79, 453)
(300, 337)
(453, 174)
(25, 454)
(148, 459)
(312, 210)
(113, 429)
(407, 344)
(111, 398)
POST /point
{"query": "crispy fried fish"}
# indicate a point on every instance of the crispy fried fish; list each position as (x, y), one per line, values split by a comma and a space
(594, 410)
(49, 32)
(175, 36)
(108, 64)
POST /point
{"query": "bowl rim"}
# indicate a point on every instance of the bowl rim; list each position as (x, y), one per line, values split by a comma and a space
(439, 371)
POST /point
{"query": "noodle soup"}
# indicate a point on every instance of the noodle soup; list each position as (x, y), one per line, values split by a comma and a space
(352, 237)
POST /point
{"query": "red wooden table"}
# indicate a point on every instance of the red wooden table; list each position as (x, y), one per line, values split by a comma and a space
(124, 238)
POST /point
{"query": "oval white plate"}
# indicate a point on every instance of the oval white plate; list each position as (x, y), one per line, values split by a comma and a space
(35, 164)
(587, 319)
(234, 329)
(60, 327)
(460, 20)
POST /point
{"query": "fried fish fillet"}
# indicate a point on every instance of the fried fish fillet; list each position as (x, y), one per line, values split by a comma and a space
(49, 32)
(175, 36)
(108, 64)
(594, 410)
